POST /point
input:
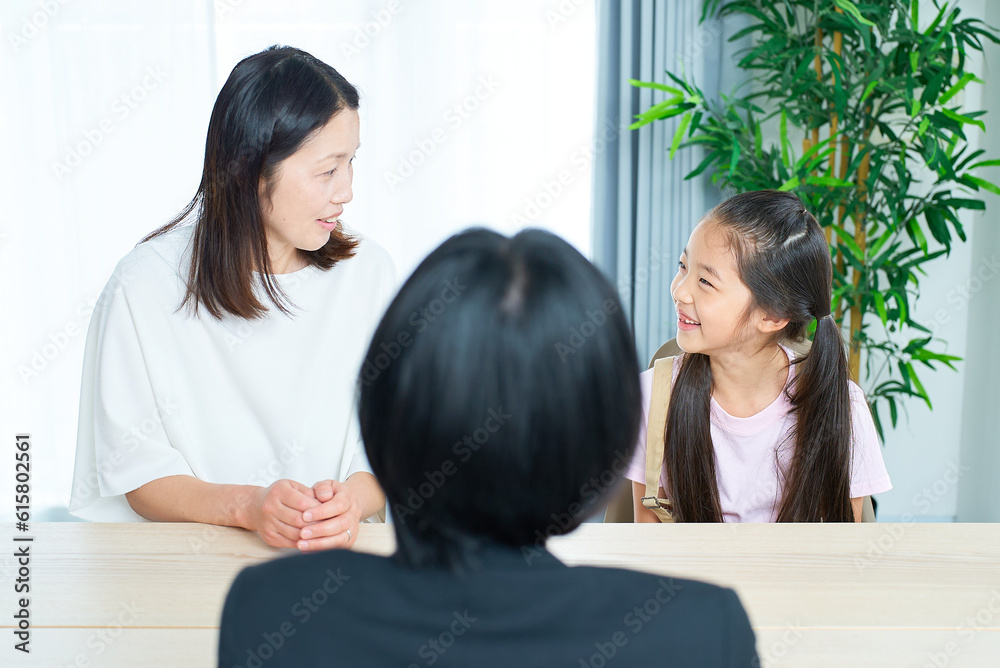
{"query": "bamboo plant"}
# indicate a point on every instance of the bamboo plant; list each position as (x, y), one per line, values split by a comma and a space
(885, 163)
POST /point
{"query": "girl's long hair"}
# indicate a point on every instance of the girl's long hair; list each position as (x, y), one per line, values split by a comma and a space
(271, 104)
(783, 258)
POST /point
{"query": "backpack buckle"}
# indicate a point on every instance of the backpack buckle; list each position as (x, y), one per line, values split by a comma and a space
(651, 502)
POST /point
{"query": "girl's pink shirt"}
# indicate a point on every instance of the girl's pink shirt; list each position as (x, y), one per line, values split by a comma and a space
(748, 456)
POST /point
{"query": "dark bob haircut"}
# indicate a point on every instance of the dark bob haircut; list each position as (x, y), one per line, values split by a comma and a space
(272, 103)
(499, 399)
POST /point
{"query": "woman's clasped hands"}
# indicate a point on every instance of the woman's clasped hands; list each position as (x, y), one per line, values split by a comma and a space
(290, 514)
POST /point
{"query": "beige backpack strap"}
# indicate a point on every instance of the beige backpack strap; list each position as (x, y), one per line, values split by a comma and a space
(658, 405)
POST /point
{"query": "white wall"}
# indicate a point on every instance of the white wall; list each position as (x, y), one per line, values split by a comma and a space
(979, 490)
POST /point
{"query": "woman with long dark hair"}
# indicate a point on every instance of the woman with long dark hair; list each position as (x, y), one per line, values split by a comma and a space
(220, 364)
(754, 433)
(506, 429)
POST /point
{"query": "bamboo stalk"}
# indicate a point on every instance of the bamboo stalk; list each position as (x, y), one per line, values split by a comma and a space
(833, 160)
(818, 63)
(854, 361)
(838, 44)
(842, 211)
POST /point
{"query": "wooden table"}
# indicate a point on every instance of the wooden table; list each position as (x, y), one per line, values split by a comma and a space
(847, 596)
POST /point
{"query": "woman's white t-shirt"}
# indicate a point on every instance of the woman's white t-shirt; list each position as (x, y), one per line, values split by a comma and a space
(228, 401)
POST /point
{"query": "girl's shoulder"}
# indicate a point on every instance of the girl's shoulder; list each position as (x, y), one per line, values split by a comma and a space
(858, 397)
(646, 378)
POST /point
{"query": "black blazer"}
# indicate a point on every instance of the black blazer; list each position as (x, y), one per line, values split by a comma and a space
(516, 607)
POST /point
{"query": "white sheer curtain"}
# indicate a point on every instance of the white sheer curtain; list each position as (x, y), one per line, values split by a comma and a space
(472, 113)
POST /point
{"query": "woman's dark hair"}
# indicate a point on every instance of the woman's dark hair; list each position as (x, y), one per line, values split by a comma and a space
(499, 399)
(782, 257)
(272, 103)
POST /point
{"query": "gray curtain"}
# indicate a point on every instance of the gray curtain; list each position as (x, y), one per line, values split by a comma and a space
(644, 210)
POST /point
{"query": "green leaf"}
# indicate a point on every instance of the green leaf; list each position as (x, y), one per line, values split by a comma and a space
(677, 80)
(918, 235)
(904, 373)
(934, 24)
(709, 9)
(924, 124)
(965, 120)
(958, 203)
(656, 113)
(790, 184)
(880, 307)
(915, 13)
(920, 388)
(756, 13)
(813, 150)
(758, 141)
(710, 159)
(914, 58)
(982, 183)
(928, 356)
(920, 260)
(658, 109)
(986, 163)
(953, 91)
(937, 225)
(829, 181)
(916, 344)
(849, 241)
(852, 9)
(695, 123)
(679, 135)
(874, 249)
(932, 90)
(959, 230)
(785, 146)
(657, 86)
(868, 91)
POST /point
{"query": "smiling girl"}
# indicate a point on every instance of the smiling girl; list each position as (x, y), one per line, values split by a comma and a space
(754, 434)
(220, 364)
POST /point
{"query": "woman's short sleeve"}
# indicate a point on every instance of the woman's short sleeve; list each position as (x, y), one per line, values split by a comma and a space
(121, 440)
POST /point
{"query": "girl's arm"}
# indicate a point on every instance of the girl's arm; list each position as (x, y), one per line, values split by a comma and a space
(641, 512)
(857, 504)
(274, 512)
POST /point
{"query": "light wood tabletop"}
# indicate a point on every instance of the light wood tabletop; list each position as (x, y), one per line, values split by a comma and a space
(873, 594)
